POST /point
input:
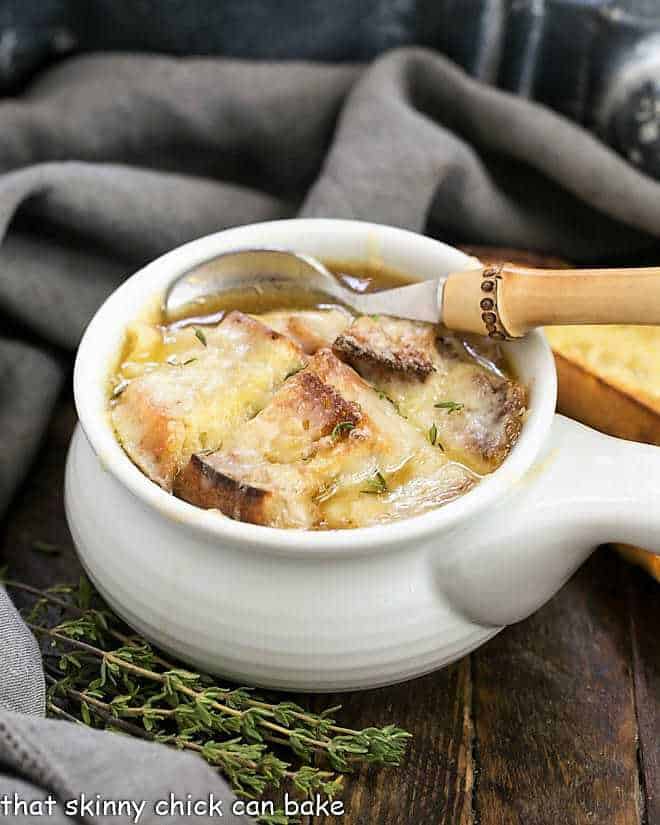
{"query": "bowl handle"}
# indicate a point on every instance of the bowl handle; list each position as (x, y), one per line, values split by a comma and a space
(584, 490)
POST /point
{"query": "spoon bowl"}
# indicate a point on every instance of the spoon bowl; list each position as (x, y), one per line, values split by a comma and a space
(250, 280)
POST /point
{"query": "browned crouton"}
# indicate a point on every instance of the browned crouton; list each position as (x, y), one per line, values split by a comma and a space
(220, 378)
(442, 383)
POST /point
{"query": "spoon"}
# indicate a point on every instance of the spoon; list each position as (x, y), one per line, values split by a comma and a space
(500, 300)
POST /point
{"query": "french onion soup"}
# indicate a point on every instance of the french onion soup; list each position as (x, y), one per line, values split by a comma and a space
(310, 417)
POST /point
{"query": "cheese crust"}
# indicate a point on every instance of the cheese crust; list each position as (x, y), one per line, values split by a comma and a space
(191, 403)
(435, 381)
(326, 452)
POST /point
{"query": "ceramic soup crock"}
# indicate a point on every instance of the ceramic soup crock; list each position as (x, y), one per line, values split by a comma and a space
(340, 610)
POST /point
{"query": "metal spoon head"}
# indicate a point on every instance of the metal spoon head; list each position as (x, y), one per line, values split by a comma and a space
(251, 280)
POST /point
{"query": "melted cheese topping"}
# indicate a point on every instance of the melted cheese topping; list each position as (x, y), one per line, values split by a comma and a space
(201, 389)
(464, 404)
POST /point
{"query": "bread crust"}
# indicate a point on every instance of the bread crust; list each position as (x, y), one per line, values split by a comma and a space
(202, 484)
(588, 398)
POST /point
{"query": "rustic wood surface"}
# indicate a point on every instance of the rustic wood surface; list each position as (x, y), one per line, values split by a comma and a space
(555, 721)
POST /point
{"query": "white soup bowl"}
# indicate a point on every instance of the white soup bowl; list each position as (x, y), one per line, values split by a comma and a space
(340, 610)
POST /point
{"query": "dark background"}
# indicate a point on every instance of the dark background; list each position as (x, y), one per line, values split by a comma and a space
(596, 61)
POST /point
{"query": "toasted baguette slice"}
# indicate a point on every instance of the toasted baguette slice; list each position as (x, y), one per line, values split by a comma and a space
(609, 378)
(326, 452)
(474, 412)
(218, 380)
(310, 329)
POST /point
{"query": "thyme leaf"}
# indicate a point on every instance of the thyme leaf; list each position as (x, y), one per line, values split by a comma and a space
(119, 388)
(450, 406)
(293, 372)
(376, 484)
(46, 547)
(173, 362)
(433, 434)
(385, 397)
(342, 427)
(201, 337)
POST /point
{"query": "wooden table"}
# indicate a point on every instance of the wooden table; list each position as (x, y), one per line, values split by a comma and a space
(555, 721)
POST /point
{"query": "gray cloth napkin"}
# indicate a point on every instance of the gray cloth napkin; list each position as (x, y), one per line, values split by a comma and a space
(108, 161)
(74, 765)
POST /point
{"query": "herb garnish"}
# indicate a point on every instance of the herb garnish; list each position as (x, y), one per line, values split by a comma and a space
(108, 677)
(293, 372)
(386, 397)
(433, 434)
(119, 388)
(201, 337)
(376, 484)
(172, 361)
(342, 427)
(450, 406)
(46, 547)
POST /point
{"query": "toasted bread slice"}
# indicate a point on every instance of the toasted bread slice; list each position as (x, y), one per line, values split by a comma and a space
(326, 452)
(218, 378)
(470, 408)
(310, 329)
(388, 346)
(609, 378)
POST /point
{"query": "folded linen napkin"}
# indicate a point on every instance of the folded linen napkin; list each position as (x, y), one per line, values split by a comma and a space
(108, 161)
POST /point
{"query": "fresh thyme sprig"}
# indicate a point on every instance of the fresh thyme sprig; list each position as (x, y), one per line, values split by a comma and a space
(108, 677)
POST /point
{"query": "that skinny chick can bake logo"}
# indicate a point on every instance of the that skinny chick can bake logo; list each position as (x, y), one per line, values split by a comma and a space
(172, 806)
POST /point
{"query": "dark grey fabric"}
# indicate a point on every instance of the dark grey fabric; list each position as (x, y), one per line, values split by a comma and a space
(23, 688)
(29, 383)
(74, 764)
(107, 161)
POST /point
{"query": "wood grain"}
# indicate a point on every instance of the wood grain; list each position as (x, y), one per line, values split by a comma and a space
(555, 713)
(435, 784)
(644, 606)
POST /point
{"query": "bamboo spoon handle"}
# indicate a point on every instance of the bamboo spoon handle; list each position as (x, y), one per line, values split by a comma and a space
(506, 301)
